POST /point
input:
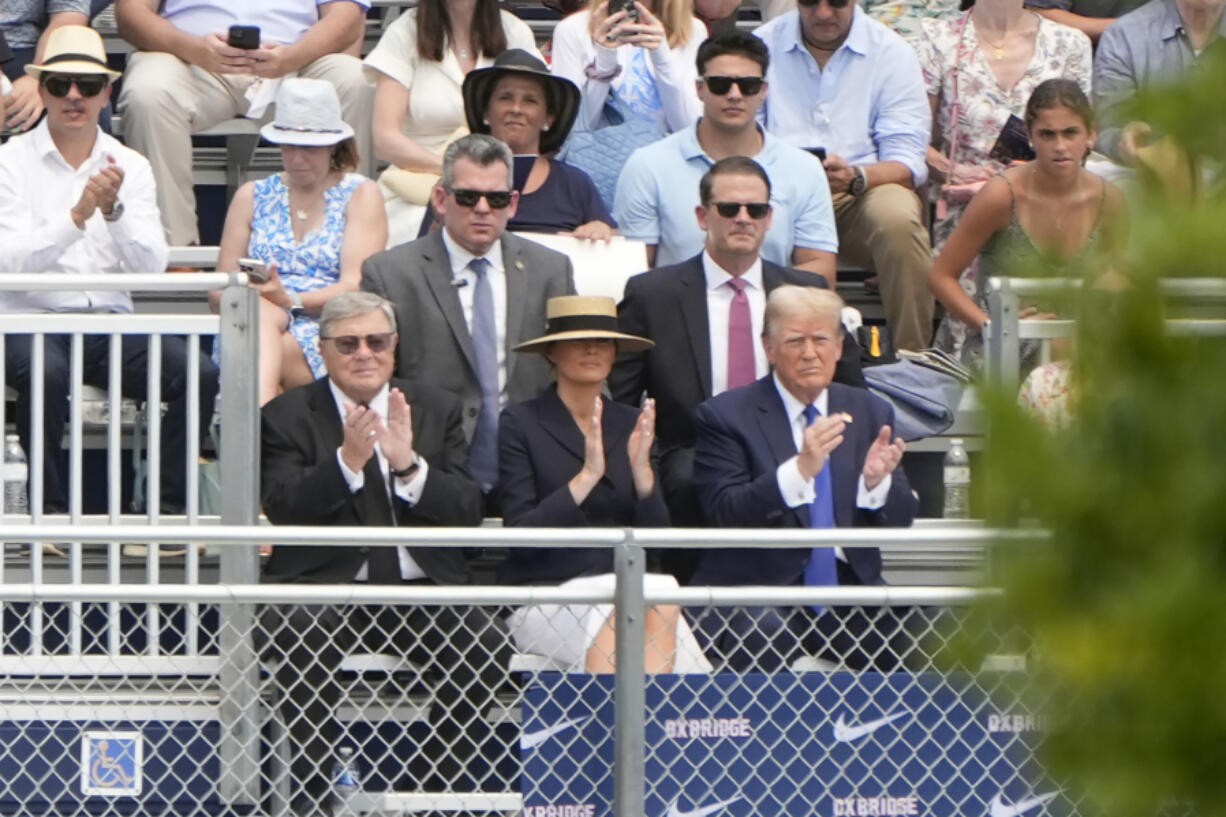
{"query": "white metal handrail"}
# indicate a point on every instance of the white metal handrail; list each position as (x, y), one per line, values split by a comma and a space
(122, 281)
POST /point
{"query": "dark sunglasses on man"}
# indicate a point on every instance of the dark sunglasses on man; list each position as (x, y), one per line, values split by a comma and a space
(90, 85)
(496, 199)
(731, 209)
(348, 344)
(834, 4)
(722, 85)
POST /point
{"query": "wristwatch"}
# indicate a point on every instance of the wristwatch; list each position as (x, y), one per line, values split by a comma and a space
(407, 473)
(296, 308)
(859, 182)
(116, 212)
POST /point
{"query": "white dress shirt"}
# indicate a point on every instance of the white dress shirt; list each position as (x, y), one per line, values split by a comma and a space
(465, 282)
(797, 490)
(38, 190)
(407, 489)
(719, 302)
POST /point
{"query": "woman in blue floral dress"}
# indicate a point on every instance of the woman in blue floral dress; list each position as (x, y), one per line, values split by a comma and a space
(312, 225)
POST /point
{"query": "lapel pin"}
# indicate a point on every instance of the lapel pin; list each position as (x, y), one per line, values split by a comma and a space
(519, 264)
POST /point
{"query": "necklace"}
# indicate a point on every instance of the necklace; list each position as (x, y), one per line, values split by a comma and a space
(998, 49)
(301, 215)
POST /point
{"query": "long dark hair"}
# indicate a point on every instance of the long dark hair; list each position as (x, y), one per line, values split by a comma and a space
(434, 26)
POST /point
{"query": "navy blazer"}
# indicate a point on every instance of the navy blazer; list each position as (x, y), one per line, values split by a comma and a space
(540, 449)
(743, 436)
(301, 483)
(669, 305)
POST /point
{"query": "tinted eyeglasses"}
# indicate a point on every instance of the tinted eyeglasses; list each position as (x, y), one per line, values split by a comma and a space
(58, 85)
(496, 199)
(834, 4)
(731, 209)
(722, 85)
(348, 344)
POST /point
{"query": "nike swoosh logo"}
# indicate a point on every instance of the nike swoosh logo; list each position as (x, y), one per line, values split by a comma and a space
(534, 739)
(675, 811)
(999, 808)
(844, 733)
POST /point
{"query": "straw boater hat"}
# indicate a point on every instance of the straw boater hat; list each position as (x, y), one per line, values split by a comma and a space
(563, 95)
(73, 50)
(308, 115)
(583, 317)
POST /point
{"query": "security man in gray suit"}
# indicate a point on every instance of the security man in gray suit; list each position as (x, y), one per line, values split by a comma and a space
(465, 295)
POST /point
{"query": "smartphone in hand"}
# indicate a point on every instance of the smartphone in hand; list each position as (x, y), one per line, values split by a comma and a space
(245, 37)
(257, 271)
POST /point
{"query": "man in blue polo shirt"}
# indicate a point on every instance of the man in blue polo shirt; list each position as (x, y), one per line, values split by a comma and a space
(657, 193)
(854, 88)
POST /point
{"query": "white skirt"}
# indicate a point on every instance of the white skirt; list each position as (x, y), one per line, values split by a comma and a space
(564, 632)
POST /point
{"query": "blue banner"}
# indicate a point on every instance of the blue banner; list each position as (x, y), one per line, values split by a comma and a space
(823, 744)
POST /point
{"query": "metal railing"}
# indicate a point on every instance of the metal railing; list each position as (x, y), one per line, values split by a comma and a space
(1006, 330)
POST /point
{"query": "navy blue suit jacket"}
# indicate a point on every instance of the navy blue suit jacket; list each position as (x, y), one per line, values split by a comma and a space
(743, 436)
(540, 449)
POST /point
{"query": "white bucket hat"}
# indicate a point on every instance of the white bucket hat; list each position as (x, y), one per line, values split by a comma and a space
(308, 114)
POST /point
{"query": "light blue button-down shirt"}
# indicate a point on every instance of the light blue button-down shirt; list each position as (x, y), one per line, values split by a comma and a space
(868, 105)
(1148, 45)
(657, 193)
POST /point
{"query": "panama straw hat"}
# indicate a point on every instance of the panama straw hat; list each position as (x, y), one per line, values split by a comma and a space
(308, 115)
(583, 317)
(73, 50)
(563, 94)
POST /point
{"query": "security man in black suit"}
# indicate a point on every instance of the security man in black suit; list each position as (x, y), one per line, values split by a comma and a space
(358, 448)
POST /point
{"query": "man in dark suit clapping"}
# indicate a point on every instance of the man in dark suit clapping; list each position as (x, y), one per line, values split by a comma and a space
(358, 448)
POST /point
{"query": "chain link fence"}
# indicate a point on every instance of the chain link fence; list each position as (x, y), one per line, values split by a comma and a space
(480, 700)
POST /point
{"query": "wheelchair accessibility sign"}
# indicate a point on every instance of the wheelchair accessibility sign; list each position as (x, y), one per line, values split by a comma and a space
(111, 763)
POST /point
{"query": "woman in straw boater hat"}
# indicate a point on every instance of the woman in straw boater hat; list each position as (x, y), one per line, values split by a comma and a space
(573, 458)
(312, 225)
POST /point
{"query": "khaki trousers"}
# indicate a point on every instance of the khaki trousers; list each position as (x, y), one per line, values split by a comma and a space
(883, 231)
(165, 100)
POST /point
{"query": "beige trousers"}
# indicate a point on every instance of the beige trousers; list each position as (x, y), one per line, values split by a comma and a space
(883, 231)
(165, 100)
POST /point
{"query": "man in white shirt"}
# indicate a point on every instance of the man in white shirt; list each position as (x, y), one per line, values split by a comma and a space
(357, 448)
(74, 200)
(186, 78)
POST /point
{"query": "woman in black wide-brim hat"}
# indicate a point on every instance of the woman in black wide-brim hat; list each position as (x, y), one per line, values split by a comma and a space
(574, 458)
(519, 102)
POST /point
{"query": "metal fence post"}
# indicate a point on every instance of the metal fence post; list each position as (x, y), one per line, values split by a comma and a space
(630, 681)
(239, 748)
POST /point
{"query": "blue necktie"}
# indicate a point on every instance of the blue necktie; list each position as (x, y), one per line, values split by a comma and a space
(821, 570)
(483, 452)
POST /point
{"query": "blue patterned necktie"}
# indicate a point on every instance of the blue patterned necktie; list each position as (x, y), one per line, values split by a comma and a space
(483, 452)
(821, 570)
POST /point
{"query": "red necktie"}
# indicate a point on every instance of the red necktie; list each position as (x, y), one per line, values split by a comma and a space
(740, 337)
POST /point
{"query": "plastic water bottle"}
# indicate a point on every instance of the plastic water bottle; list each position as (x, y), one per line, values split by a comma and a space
(346, 783)
(16, 475)
(957, 482)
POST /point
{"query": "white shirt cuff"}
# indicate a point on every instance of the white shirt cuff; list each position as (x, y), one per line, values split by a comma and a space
(874, 499)
(354, 480)
(606, 59)
(410, 489)
(793, 487)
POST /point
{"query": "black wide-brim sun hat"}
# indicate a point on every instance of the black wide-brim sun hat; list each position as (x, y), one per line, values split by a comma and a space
(562, 95)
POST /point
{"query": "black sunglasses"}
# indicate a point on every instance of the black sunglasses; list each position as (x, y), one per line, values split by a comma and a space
(731, 209)
(834, 4)
(348, 344)
(722, 85)
(58, 85)
(496, 199)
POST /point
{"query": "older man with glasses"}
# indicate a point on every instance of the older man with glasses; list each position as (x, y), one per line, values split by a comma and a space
(855, 94)
(359, 448)
(658, 188)
(74, 200)
(468, 293)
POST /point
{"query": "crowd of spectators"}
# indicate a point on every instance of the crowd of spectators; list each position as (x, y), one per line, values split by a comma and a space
(422, 363)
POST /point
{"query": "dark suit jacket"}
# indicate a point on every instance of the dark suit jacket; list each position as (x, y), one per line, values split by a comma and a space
(540, 449)
(435, 345)
(669, 305)
(743, 436)
(301, 483)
